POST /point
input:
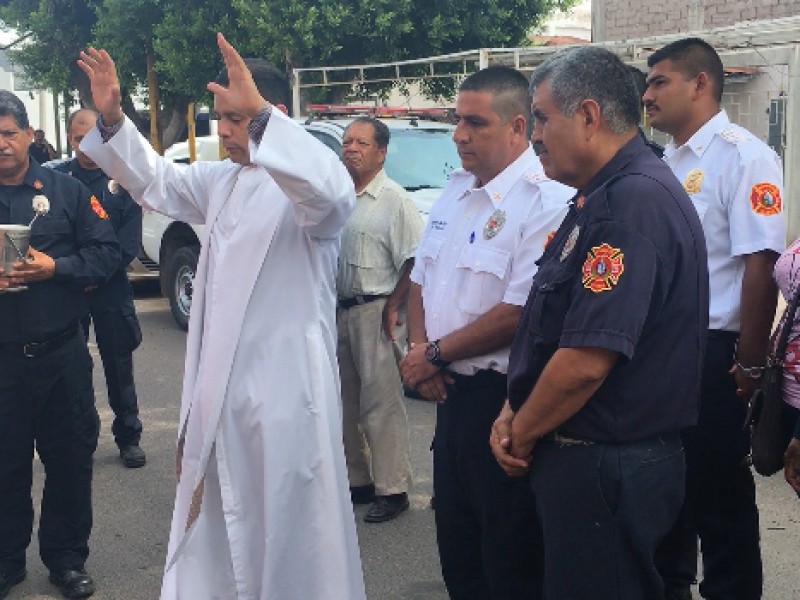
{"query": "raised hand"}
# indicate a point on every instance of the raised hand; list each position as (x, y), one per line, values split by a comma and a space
(241, 95)
(102, 74)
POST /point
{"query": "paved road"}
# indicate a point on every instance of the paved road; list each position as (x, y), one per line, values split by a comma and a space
(133, 507)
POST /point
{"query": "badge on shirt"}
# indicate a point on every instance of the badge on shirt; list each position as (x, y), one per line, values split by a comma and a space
(580, 201)
(113, 186)
(494, 224)
(569, 245)
(98, 208)
(765, 199)
(693, 180)
(602, 269)
(37, 185)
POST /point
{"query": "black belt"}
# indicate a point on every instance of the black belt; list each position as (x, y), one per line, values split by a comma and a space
(348, 303)
(482, 377)
(36, 349)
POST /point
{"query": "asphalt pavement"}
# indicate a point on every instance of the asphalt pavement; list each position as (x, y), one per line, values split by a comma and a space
(132, 508)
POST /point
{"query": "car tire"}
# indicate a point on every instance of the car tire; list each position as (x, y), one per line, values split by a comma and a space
(180, 279)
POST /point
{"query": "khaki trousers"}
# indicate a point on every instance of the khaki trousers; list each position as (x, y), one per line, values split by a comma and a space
(374, 425)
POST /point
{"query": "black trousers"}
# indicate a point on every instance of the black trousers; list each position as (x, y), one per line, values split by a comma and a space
(720, 504)
(604, 509)
(486, 526)
(117, 333)
(47, 401)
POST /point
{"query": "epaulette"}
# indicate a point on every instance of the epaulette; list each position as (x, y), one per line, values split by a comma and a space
(734, 134)
(535, 177)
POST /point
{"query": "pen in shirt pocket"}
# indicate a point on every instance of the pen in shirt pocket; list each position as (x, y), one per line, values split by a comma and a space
(472, 237)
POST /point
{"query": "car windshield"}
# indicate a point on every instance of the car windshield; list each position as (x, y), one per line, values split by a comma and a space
(421, 158)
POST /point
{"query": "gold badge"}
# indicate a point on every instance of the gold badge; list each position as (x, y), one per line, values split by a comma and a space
(602, 269)
(765, 199)
(494, 224)
(693, 180)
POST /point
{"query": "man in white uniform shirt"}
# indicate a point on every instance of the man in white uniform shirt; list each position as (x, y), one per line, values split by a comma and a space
(378, 245)
(735, 182)
(470, 280)
(262, 508)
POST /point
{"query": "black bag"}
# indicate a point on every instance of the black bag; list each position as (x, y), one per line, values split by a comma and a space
(765, 414)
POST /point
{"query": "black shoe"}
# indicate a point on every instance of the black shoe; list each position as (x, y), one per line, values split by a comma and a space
(681, 593)
(73, 583)
(362, 494)
(386, 508)
(132, 456)
(9, 580)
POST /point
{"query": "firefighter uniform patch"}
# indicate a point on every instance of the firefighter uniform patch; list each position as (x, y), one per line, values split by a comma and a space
(602, 269)
(693, 180)
(98, 208)
(765, 199)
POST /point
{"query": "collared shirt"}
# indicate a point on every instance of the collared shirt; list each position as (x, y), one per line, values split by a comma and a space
(480, 248)
(627, 272)
(735, 182)
(76, 233)
(381, 234)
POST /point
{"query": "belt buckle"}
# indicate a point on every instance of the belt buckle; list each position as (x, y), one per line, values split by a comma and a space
(568, 441)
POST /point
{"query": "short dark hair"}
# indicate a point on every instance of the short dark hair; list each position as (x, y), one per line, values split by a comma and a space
(589, 72)
(75, 113)
(692, 56)
(509, 88)
(379, 129)
(639, 80)
(12, 106)
(270, 81)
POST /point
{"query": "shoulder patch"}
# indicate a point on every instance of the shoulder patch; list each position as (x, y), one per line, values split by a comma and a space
(98, 208)
(765, 199)
(734, 135)
(602, 269)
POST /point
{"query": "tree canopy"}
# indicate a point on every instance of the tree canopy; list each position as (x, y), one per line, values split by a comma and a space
(176, 37)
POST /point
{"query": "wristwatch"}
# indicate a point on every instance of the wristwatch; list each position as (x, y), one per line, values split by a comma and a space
(434, 354)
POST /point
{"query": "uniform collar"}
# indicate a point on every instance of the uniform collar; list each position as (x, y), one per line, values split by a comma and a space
(85, 175)
(618, 162)
(702, 138)
(33, 178)
(374, 187)
(499, 187)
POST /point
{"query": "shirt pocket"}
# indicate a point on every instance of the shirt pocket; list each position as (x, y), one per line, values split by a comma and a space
(48, 231)
(486, 270)
(549, 309)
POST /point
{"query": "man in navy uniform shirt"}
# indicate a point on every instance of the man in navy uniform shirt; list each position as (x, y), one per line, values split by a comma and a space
(604, 370)
(111, 308)
(46, 395)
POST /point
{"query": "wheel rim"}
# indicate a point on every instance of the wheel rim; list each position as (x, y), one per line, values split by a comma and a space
(183, 289)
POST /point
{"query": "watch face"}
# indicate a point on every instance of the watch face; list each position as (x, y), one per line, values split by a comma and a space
(430, 353)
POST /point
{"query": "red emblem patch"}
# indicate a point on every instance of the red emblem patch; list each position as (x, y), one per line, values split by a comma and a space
(98, 208)
(550, 236)
(765, 198)
(602, 269)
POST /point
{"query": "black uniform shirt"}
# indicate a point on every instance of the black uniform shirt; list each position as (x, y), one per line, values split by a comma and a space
(125, 215)
(76, 233)
(626, 271)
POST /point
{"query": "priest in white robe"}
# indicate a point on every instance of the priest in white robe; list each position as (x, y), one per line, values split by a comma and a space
(262, 509)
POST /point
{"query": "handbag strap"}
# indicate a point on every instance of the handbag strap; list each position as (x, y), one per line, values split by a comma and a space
(788, 319)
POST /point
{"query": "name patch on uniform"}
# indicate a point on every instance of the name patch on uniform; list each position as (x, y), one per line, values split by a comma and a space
(438, 225)
(603, 268)
(765, 199)
(98, 208)
(693, 180)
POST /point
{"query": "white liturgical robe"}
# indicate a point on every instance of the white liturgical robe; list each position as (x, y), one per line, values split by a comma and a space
(262, 509)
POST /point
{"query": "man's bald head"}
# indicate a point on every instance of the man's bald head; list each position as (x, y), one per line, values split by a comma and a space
(79, 124)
